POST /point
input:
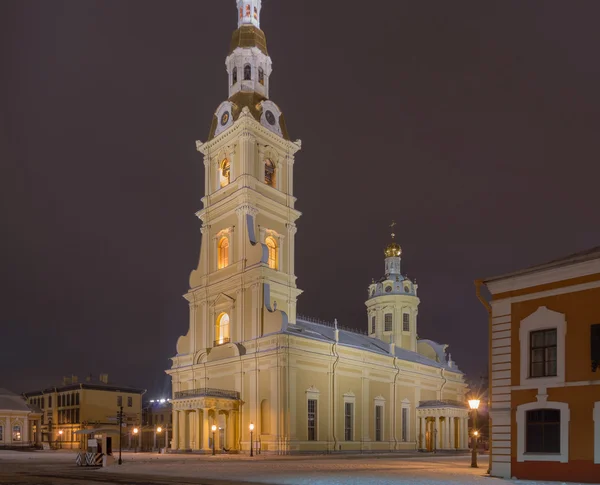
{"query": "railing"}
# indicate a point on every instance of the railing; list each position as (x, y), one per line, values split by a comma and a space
(331, 324)
(222, 341)
(442, 403)
(207, 392)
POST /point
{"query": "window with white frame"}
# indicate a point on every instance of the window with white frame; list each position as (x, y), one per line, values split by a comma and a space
(348, 421)
(542, 348)
(16, 434)
(388, 322)
(543, 431)
(406, 322)
(378, 422)
(312, 420)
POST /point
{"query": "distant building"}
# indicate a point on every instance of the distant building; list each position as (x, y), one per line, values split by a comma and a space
(249, 365)
(157, 424)
(90, 404)
(545, 358)
(19, 421)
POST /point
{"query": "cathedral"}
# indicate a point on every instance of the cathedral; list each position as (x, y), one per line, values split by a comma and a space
(251, 375)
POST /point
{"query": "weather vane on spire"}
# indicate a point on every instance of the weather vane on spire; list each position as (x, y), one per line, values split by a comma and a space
(392, 228)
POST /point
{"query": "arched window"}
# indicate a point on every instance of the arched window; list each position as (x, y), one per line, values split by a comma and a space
(269, 173)
(234, 76)
(225, 172)
(247, 73)
(273, 251)
(261, 76)
(222, 329)
(223, 253)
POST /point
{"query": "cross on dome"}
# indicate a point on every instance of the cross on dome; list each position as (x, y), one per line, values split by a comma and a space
(393, 250)
(249, 12)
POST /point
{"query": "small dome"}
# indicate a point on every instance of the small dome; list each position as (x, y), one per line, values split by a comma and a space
(393, 250)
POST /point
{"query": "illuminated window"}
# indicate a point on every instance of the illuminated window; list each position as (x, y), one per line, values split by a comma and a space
(248, 11)
(273, 252)
(247, 73)
(16, 435)
(222, 329)
(241, 13)
(223, 253)
(234, 76)
(261, 76)
(225, 172)
(269, 173)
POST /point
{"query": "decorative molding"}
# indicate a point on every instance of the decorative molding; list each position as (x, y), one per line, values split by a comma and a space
(246, 209)
(312, 390)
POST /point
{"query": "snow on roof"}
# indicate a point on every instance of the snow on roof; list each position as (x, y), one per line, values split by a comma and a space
(13, 402)
(326, 333)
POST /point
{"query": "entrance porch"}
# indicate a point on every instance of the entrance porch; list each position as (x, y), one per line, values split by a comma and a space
(442, 425)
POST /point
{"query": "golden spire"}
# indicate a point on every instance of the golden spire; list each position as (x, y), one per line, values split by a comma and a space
(393, 250)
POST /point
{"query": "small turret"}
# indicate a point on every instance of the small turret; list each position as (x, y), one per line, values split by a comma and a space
(249, 12)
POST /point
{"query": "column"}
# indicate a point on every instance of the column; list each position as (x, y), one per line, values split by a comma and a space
(465, 430)
(205, 430)
(175, 430)
(186, 430)
(459, 433)
(38, 432)
(229, 430)
(218, 443)
(437, 432)
(420, 433)
(447, 437)
(198, 429)
(452, 440)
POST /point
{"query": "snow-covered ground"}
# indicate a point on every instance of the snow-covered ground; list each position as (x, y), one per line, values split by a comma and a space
(295, 470)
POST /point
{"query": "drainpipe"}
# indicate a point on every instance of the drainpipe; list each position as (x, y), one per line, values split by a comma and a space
(333, 393)
(394, 414)
(488, 307)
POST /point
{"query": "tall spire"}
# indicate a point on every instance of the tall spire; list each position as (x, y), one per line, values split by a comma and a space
(249, 12)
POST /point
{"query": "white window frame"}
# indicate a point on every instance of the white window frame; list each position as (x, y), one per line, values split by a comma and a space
(597, 433)
(542, 319)
(565, 417)
(385, 315)
(379, 401)
(313, 393)
(350, 397)
(405, 405)
(406, 315)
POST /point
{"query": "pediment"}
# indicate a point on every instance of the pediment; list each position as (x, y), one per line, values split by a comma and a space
(223, 300)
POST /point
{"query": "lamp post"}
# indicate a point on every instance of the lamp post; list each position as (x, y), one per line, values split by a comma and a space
(214, 428)
(60, 432)
(474, 405)
(159, 431)
(135, 433)
(251, 439)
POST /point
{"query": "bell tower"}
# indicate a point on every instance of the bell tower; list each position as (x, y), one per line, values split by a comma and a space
(392, 304)
(244, 286)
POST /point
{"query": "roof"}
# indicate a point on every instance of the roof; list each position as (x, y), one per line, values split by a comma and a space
(248, 36)
(251, 100)
(97, 386)
(13, 402)
(580, 257)
(326, 333)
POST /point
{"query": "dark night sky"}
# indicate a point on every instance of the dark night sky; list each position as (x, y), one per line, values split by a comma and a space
(475, 125)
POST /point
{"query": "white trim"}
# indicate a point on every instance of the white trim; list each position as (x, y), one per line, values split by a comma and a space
(312, 393)
(350, 397)
(558, 291)
(551, 275)
(542, 319)
(597, 433)
(565, 417)
(405, 405)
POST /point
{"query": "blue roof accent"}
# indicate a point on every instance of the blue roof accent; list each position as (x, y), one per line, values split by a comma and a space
(326, 333)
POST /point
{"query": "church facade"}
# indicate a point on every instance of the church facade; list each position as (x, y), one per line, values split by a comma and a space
(251, 371)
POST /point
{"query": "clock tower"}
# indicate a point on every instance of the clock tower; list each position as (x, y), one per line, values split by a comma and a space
(244, 286)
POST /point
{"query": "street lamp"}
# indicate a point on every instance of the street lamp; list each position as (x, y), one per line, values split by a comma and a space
(60, 432)
(474, 405)
(158, 431)
(135, 432)
(251, 442)
(214, 428)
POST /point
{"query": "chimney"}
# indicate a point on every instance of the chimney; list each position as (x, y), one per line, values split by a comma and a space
(336, 331)
(392, 345)
(104, 378)
(66, 381)
(74, 379)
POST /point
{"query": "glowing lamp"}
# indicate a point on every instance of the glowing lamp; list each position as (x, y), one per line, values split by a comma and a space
(251, 427)
(159, 430)
(474, 403)
(214, 428)
(135, 431)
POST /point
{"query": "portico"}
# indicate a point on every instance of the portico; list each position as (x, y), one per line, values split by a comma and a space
(442, 425)
(196, 411)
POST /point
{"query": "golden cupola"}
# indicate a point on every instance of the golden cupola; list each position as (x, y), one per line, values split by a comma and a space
(393, 249)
